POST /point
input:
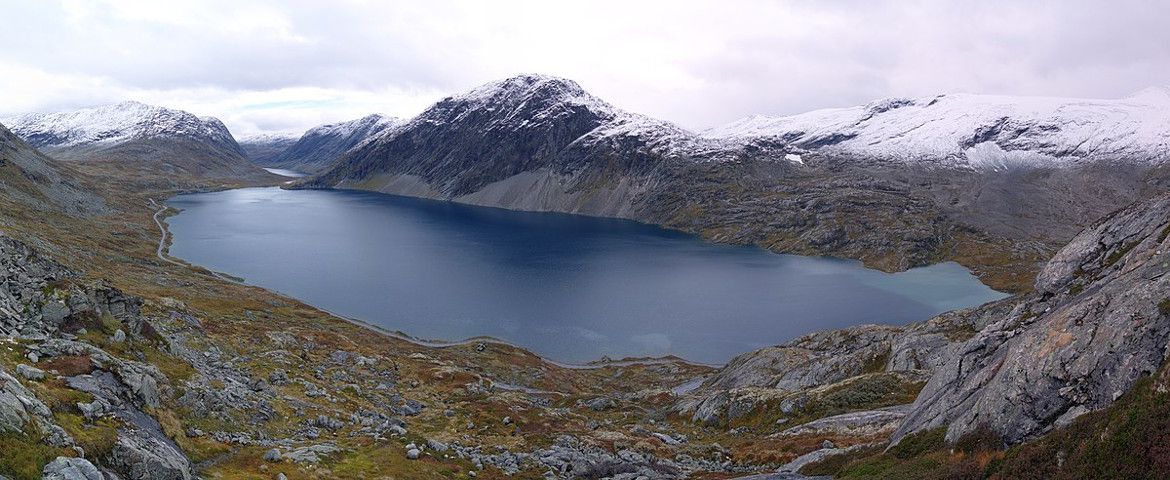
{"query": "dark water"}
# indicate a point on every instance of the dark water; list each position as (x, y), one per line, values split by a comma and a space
(572, 288)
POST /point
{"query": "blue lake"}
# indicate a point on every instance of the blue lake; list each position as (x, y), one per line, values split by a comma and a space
(571, 288)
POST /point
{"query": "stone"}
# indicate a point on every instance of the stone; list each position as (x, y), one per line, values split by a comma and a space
(119, 336)
(68, 468)
(272, 455)
(31, 373)
(413, 454)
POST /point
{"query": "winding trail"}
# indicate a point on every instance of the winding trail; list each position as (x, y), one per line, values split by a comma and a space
(162, 255)
(162, 240)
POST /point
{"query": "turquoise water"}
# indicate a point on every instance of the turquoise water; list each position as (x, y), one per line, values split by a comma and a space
(571, 288)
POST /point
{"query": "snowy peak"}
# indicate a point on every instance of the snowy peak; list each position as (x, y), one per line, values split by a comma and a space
(109, 125)
(368, 125)
(977, 130)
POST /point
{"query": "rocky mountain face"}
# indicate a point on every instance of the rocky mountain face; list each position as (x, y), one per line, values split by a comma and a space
(1002, 172)
(1098, 321)
(319, 147)
(168, 146)
(36, 181)
(262, 149)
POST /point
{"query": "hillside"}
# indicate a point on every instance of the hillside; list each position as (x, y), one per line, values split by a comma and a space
(35, 181)
(319, 147)
(153, 145)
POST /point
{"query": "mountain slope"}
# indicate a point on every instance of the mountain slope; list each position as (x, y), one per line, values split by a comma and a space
(262, 149)
(530, 142)
(34, 180)
(320, 146)
(978, 131)
(155, 145)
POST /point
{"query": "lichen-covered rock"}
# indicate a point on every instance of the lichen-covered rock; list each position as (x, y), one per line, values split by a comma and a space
(1092, 328)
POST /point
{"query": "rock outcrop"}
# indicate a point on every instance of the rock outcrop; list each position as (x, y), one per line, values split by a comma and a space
(1098, 321)
(825, 358)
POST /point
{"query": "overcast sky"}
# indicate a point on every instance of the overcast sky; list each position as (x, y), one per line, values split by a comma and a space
(269, 66)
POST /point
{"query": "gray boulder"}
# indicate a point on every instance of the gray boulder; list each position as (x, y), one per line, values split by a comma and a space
(31, 373)
(67, 468)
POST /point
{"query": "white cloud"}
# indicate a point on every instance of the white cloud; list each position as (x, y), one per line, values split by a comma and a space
(265, 65)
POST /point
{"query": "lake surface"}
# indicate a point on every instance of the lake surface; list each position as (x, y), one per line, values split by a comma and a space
(571, 288)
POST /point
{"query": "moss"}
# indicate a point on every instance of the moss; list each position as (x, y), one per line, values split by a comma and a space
(1164, 306)
(1119, 253)
(1076, 289)
(97, 438)
(23, 456)
(1165, 233)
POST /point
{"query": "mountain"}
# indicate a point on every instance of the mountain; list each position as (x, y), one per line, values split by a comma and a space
(978, 131)
(262, 149)
(854, 183)
(34, 180)
(531, 142)
(320, 146)
(156, 145)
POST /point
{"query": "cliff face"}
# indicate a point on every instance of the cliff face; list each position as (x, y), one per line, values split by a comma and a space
(1098, 321)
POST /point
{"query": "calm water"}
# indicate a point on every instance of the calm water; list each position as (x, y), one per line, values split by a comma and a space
(571, 288)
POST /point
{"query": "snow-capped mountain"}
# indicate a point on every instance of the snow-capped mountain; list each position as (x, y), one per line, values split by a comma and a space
(264, 147)
(117, 123)
(516, 125)
(320, 146)
(980, 131)
(136, 142)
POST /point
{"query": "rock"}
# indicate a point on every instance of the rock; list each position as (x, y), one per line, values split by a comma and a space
(33, 357)
(119, 336)
(437, 445)
(311, 454)
(328, 423)
(93, 410)
(339, 356)
(281, 476)
(480, 347)
(1091, 329)
(858, 424)
(67, 468)
(413, 454)
(272, 455)
(144, 456)
(278, 377)
(31, 373)
(507, 420)
(828, 444)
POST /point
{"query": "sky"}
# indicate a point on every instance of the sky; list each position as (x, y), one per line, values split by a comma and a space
(269, 66)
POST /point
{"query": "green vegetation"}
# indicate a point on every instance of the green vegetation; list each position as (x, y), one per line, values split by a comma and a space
(23, 456)
(1164, 306)
(1119, 253)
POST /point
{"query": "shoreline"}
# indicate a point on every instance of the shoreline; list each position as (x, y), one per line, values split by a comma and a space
(162, 254)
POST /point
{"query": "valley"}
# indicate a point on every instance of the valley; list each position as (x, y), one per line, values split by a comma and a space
(121, 357)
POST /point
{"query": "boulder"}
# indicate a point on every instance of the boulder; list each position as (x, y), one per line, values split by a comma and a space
(68, 468)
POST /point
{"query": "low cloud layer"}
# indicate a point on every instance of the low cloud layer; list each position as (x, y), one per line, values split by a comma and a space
(268, 66)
